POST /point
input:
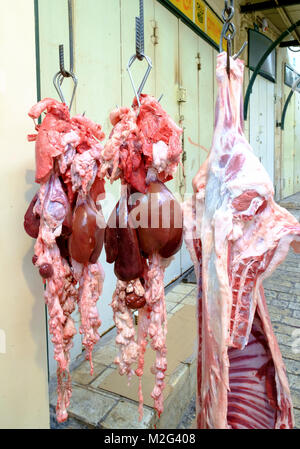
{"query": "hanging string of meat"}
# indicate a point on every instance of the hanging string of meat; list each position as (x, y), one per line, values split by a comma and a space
(237, 235)
(143, 232)
(69, 230)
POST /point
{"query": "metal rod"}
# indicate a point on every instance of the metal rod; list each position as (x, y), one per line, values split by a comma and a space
(240, 50)
(293, 89)
(142, 26)
(293, 43)
(287, 20)
(63, 73)
(139, 32)
(62, 61)
(260, 63)
(228, 58)
(251, 7)
(71, 35)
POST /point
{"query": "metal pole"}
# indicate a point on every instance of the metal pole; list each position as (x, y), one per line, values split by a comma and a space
(71, 35)
(294, 87)
(262, 6)
(261, 61)
(63, 73)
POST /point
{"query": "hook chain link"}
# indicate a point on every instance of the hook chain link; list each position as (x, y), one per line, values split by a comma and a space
(139, 32)
(63, 73)
(140, 42)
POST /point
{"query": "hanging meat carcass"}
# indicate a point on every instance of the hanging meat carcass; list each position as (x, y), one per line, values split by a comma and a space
(143, 232)
(237, 235)
(69, 228)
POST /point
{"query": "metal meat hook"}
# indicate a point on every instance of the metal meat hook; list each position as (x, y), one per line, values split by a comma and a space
(139, 54)
(58, 80)
(138, 91)
(228, 33)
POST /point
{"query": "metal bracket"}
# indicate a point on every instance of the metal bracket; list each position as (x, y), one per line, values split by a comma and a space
(154, 37)
(260, 63)
(198, 58)
(181, 95)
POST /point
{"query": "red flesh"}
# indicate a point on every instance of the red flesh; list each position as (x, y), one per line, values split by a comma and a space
(67, 168)
(86, 240)
(31, 220)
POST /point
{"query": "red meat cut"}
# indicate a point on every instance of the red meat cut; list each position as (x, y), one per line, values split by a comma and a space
(143, 150)
(69, 230)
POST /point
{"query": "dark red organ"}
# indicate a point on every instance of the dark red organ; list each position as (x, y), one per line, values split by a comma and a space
(69, 229)
(143, 150)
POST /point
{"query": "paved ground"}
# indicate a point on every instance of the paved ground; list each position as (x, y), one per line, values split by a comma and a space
(94, 407)
(188, 420)
(282, 292)
(91, 407)
(291, 202)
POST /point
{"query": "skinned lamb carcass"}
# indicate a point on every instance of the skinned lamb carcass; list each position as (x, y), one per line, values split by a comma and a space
(69, 229)
(237, 235)
(143, 150)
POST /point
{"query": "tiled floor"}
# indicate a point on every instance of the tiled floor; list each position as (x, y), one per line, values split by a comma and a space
(94, 406)
(282, 292)
(292, 202)
(91, 406)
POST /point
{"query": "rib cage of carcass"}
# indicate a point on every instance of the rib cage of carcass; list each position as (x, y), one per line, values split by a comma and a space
(69, 230)
(143, 150)
(237, 235)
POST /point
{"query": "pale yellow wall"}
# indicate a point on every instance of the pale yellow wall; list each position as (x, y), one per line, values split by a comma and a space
(23, 363)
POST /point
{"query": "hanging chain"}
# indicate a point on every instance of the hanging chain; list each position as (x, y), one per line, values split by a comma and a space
(139, 54)
(67, 73)
(139, 32)
(63, 73)
(228, 30)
